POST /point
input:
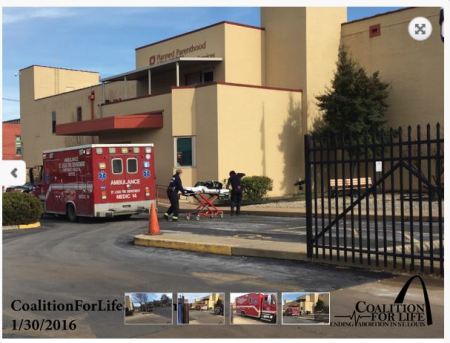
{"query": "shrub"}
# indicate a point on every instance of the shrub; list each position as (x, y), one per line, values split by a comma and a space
(21, 208)
(255, 188)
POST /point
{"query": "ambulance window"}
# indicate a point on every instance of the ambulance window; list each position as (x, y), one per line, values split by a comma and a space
(116, 166)
(132, 166)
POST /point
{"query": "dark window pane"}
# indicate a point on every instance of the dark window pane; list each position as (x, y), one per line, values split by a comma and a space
(79, 113)
(184, 151)
(117, 166)
(53, 122)
(208, 76)
(132, 166)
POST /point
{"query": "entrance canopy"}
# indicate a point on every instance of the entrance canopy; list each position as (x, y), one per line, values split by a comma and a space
(143, 72)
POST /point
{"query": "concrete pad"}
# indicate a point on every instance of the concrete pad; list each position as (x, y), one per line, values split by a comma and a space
(220, 245)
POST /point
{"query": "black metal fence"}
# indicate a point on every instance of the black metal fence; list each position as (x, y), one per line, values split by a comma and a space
(377, 199)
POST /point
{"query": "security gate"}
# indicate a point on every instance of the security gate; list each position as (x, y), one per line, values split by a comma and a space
(377, 200)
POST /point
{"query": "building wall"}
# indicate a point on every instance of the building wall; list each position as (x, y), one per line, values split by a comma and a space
(414, 69)
(241, 47)
(260, 133)
(38, 101)
(162, 138)
(9, 133)
(301, 48)
(244, 55)
(194, 113)
(211, 38)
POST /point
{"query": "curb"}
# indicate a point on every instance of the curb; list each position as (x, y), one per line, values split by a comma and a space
(36, 225)
(218, 249)
(278, 254)
(181, 245)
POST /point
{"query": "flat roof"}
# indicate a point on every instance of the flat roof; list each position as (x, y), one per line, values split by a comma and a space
(378, 15)
(62, 68)
(136, 73)
(12, 121)
(201, 29)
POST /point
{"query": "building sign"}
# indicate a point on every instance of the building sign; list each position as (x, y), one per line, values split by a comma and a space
(176, 53)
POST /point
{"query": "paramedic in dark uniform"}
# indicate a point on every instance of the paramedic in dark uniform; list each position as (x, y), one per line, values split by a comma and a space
(175, 186)
(236, 191)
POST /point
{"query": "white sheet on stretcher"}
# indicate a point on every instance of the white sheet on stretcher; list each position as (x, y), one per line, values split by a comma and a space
(203, 189)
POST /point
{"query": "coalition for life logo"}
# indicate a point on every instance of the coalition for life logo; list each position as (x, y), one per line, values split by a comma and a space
(396, 314)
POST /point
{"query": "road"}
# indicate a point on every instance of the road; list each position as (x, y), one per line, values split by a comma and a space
(96, 260)
(159, 315)
(241, 320)
(306, 319)
(205, 317)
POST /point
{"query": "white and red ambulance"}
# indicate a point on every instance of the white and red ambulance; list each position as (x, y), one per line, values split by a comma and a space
(98, 180)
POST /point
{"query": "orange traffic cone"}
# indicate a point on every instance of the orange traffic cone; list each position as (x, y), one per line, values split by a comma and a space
(153, 224)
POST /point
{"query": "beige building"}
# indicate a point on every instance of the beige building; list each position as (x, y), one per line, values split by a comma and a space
(232, 96)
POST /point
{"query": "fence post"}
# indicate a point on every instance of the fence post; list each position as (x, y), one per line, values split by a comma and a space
(308, 197)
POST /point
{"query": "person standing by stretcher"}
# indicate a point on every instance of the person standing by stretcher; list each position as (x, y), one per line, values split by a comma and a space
(174, 187)
(236, 191)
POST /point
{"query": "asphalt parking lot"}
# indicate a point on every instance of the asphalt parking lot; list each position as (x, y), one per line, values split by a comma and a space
(205, 317)
(307, 319)
(241, 320)
(244, 226)
(96, 260)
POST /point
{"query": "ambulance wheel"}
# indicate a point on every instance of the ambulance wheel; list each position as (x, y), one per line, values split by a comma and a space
(71, 213)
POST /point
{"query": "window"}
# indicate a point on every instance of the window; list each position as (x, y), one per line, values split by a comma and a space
(117, 167)
(79, 113)
(18, 145)
(184, 151)
(193, 78)
(53, 122)
(132, 166)
(208, 76)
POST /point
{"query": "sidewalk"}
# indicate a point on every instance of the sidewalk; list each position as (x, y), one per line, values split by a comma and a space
(257, 210)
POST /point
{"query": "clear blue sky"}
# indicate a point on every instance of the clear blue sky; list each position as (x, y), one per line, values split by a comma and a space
(101, 39)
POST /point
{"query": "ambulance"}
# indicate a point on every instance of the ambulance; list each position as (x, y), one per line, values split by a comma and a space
(98, 180)
(257, 305)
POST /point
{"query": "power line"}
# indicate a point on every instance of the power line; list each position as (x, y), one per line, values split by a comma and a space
(9, 99)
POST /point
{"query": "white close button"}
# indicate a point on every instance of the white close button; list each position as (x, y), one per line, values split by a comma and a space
(12, 173)
(420, 28)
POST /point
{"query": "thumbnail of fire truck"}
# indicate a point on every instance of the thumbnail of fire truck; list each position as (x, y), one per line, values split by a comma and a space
(257, 305)
(98, 180)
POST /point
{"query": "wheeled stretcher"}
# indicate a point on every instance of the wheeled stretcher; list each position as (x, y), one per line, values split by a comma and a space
(205, 198)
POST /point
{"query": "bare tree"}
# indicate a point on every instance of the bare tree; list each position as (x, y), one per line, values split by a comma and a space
(141, 298)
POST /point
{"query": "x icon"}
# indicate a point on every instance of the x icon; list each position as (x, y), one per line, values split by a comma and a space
(420, 28)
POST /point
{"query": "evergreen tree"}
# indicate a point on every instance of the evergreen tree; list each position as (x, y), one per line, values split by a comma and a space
(355, 105)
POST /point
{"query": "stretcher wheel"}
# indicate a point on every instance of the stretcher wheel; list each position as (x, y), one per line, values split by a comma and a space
(197, 218)
(221, 216)
(188, 217)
